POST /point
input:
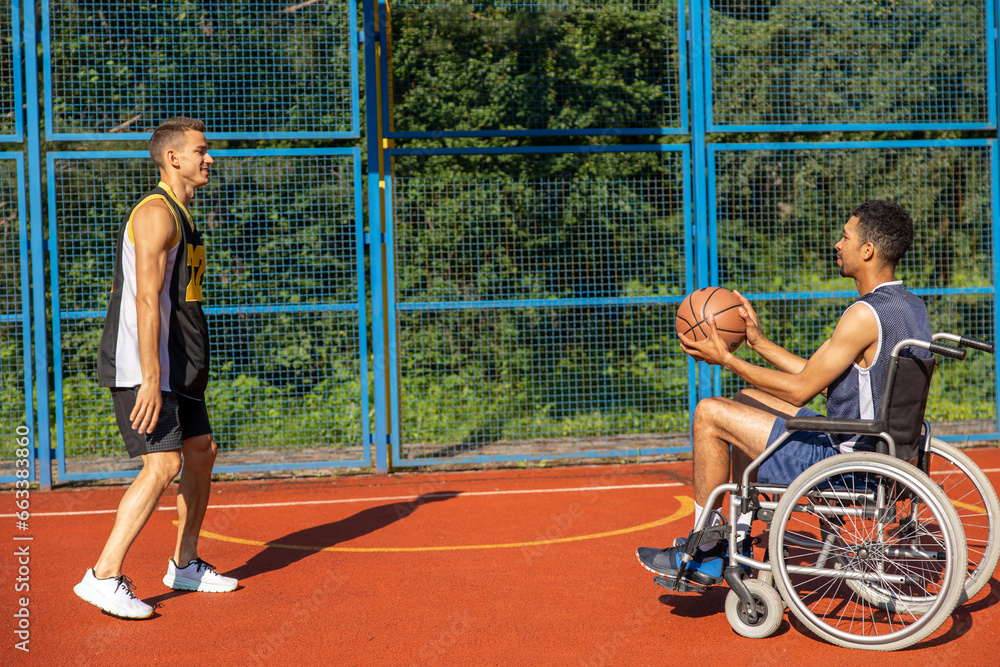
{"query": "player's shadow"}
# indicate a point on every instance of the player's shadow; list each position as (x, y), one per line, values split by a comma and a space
(293, 547)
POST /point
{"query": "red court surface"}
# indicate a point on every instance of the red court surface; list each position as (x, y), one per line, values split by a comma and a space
(503, 567)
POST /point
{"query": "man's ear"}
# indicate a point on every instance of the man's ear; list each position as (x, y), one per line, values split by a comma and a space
(868, 251)
(170, 158)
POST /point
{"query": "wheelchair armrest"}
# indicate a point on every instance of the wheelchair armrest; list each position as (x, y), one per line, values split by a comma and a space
(833, 425)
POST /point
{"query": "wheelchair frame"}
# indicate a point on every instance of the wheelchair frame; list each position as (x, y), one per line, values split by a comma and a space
(918, 584)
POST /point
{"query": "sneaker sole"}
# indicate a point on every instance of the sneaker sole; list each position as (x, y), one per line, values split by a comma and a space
(87, 594)
(648, 568)
(699, 578)
(181, 584)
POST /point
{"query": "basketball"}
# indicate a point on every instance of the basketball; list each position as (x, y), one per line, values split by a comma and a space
(723, 304)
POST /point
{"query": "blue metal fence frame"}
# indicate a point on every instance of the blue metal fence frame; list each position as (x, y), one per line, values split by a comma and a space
(392, 307)
(39, 248)
(990, 42)
(376, 244)
(354, 133)
(715, 149)
(682, 77)
(702, 261)
(18, 101)
(24, 317)
(359, 307)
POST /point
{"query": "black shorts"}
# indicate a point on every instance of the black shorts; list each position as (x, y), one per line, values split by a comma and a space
(180, 418)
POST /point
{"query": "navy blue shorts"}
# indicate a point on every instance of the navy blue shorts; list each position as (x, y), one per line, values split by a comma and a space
(800, 451)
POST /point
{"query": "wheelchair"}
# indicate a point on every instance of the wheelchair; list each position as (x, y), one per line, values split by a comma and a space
(868, 550)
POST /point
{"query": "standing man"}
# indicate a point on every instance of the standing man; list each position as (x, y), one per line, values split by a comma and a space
(154, 356)
(850, 367)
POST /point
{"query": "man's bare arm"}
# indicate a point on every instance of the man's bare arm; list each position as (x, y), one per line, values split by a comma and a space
(856, 332)
(154, 230)
(771, 352)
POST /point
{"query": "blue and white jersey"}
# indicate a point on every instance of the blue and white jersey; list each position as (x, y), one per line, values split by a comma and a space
(857, 393)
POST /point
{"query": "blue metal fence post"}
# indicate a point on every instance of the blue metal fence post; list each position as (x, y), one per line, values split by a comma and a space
(376, 244)
(994, 27)
(995, 214)
(15, 54)
(37, 245)
(699, 176)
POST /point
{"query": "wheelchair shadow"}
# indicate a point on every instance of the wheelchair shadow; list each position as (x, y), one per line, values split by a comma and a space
(293, 547)
(961, 620)
(984, 600)
(710, 603)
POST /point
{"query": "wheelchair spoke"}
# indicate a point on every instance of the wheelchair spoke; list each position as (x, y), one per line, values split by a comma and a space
(869, 553)
(976, 503)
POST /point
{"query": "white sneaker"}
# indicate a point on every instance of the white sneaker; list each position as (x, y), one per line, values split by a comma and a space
(113, 595)
(197, 575)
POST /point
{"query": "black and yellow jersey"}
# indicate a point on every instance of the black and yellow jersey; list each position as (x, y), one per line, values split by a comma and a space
(184, 344)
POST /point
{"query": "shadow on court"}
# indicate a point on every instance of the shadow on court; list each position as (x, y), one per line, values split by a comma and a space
(330, 534)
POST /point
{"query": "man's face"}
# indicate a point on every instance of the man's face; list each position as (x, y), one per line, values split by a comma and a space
(193, 159)
(849, 249)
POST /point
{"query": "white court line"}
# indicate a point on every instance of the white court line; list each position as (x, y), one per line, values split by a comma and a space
(380, 499)
(394, 498)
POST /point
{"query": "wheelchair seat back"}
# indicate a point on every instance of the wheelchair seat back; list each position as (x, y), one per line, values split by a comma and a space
(904, 400)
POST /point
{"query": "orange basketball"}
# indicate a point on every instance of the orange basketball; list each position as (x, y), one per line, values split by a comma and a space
(693, 313)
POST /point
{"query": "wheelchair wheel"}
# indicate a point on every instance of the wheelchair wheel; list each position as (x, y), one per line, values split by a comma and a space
(768, 604)
(867, 552)
(978, 510)
(976, 502)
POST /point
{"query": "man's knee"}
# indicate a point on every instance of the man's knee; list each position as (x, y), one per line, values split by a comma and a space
(708, 411)
(163, 466)
(200, 451)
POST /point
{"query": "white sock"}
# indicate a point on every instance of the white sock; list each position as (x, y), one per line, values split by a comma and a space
(714, 520)
(698, 509)
(743, 525)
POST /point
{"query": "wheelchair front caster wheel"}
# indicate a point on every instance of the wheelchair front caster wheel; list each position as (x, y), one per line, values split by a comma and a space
(769, 607)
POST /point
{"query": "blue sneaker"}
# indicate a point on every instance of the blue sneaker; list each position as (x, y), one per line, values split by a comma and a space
(705, 568)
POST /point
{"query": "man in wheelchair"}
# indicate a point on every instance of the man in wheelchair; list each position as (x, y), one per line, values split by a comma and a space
(850, 368)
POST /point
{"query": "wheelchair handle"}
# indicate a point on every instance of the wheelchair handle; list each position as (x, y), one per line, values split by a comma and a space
(947, 351)
(976, 344)
(967, 341)
(936, 348)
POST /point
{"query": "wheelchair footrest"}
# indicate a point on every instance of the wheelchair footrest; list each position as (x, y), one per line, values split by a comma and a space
(671, 584)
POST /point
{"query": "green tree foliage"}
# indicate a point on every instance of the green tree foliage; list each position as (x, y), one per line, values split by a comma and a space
(491, 234)
(525, 66)
(824, 62)
(535, 292)
(12, 385)
(243, 66)
(7, 69)
(281, 292)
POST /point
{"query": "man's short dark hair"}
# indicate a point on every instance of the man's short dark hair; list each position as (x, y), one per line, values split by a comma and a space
(170, 134)
(887, 225)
